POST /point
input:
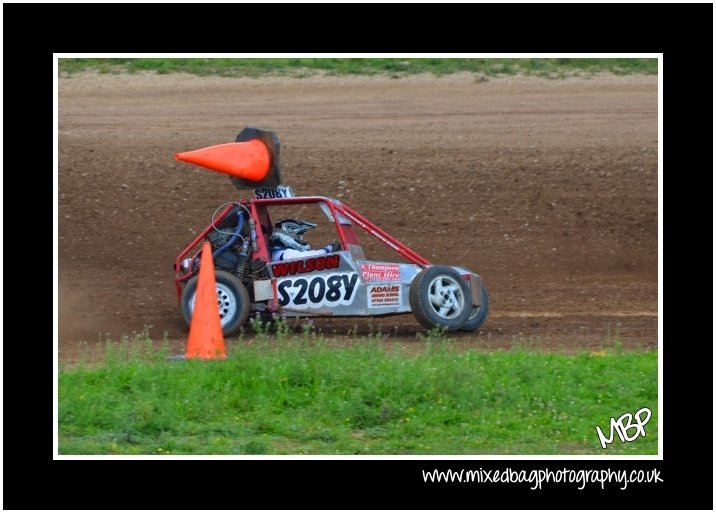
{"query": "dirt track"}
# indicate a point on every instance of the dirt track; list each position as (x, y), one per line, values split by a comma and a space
(548, 189)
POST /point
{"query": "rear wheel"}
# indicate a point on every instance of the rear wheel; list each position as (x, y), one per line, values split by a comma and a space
(232, 299)
(440, 298)
(478, 315)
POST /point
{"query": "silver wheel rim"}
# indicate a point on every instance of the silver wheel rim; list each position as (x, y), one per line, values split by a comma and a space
(446, 297)
(224, 299)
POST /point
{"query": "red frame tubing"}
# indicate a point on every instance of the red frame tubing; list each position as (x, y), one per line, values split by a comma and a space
(178, 279)
(261, 241)
(363, 222)
(383, 236)
(341, 208)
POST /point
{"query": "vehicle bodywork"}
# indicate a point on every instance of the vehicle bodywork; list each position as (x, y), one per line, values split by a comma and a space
(344, 283)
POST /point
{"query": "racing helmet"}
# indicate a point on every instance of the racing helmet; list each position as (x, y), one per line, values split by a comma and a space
(288, 233)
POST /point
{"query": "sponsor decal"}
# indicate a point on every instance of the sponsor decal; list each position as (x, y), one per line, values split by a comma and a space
(321, 263)
(282, 191)
(383, 295)
(379, 272)
(321, 290)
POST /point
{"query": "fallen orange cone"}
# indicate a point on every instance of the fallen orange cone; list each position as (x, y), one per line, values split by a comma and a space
(248, 160)
(206, 340)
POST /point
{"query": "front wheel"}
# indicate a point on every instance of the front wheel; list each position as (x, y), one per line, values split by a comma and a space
(478, 315)
(232, 298)
(440, 298)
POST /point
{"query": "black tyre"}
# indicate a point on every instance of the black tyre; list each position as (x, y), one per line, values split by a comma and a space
(440, 297)
(233, 300)
(478, 316)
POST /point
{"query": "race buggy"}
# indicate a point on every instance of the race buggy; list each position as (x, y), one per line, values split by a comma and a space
(342, 283)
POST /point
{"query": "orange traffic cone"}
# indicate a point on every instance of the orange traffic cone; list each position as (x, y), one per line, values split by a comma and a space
(249, 160)
(206, 340)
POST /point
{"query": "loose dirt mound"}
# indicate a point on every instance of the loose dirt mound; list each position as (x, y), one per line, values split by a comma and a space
(548, 189)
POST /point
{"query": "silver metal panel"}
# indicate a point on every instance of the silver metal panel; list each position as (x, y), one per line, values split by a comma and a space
(323, 285)
(339, 285)
(263, 290)
(327, 211)
(476, 289)
(342, 286)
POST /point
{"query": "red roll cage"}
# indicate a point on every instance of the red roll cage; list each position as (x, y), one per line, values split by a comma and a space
(260, 215)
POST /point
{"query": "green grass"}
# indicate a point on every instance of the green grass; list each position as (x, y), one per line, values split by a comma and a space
(296, 394)
(300, 67)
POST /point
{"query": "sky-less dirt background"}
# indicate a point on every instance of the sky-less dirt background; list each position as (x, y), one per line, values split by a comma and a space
(546, 188)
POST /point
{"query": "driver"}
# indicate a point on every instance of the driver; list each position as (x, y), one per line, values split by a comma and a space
(287, 242)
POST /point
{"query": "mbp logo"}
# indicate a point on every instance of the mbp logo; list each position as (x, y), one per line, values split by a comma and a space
(623, 424)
